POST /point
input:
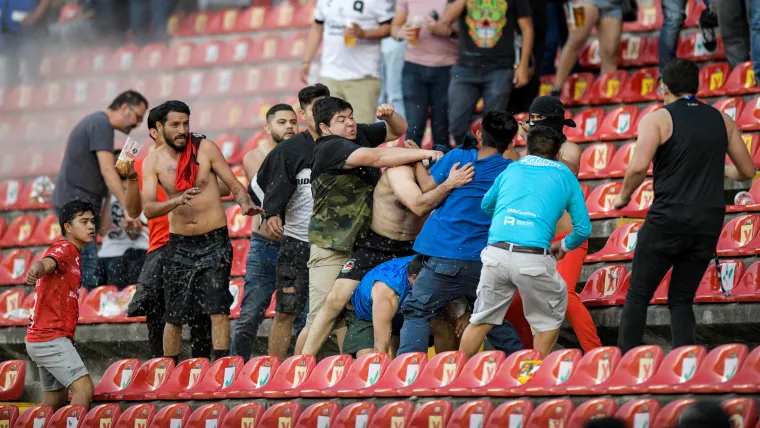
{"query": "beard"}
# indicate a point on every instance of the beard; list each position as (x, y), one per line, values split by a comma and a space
(281, 137)
(172, 142)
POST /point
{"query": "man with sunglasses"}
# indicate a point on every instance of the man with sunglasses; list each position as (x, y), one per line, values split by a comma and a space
(88, 172)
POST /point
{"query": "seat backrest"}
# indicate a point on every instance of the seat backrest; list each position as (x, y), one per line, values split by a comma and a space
(733, 107)
(576, 86)
(482, 367)
(365, 371)
(601, 199)
(187, 374)
(10, 301)
(603, 282)
(620, 122)
(137, 416)
(245, 415)
(281, 415)
(516, 366)
(153, 374)
(742, 411)
(639, 364)
(172, 416)
(223, 372)
(511, 414)
(404, 370)
(592, 409)
(256, 373)
(596, 157)
(433, 414)
(103, 416)
(723, 362)
(556, 368)
(610, 84)
(553, 413)
(8, 416)
(669, 414)
(21, 228)
(319, 415)
(596, 366)
(208, 415)
(639, 413)
(712, 77)
(680, 365)
(394, 414)
(643, 196)
(471, 414)
(118, 375)
(34, 417)
(355, 415)
(12, 376)
(329, 372)
(443, 368)
(741, 78)
(293, 372)
(70, 416)
(589, 121)
(643, 82)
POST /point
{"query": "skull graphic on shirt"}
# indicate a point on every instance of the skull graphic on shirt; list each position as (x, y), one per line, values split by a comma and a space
(485, 21)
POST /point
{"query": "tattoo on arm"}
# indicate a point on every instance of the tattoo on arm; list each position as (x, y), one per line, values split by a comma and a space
(241, 197)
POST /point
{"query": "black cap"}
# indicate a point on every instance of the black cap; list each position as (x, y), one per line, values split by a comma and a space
(550, 108)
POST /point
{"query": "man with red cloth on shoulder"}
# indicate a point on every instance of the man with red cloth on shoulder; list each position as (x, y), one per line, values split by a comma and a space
(199, 252)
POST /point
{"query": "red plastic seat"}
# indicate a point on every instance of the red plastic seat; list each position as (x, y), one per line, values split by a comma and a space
(729, 273)
(747, 378)
(633, 371)
(678, 367)
(471, 413)
(594, 160)
(639, 413)
(589, 57)
(192, 85)
(151, 376)
(395, 414)
(179, 56)
(632, 50)
(355, 415)
(47, 231)
(692, 48)
(478, 372)
(251, 20)
(172, 416)
(319, 415)
(17, 316)
(32, 417)
(606, 88)
(70, 416)
(240, 226)
(38, 193)
(9, 194)
(619, 246)
(239, 254)
(9, 415)
(719, 367)
(555, 370)
(660, 296)
(440, 371)
(741, 81)
(750, 117)
(103, 416)
(284, 414)
(150, 57)
(229, 144)
(575, 88)
(365, 372)
(238, 51)
(712, 79)
(600, 201)
(649, 18)
(122, 60)
(589, 126)
(243, 416)
(742, 411)
(10, 302)
(13, 375)
(402, 372)
(209, 54)
(329, 372)
(748, 287)
(104, 304)
(641, 86)
(252, 379)
(266, 47)
(220, 375)
(551, 413)
(607, 286)
(14, 266)
(117, 377)
(594, 369)
(432, 414)
(733, 107)
(752, 141)
(209, 415)
(185, 376)
(510, 414)
(641, 200)
(507, 375)
(19, 231)
(669, 414)
(291, 374)
(739, 236)
(138, 416)
(592, 409)
(618, 124)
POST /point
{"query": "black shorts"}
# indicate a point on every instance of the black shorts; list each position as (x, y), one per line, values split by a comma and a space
(371, 250)
(197, 276)
(149, 296)
(292, 272)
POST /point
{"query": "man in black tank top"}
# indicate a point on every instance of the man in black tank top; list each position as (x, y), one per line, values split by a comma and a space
(688, 141)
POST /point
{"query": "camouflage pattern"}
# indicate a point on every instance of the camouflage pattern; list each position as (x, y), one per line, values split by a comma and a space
(342, 209)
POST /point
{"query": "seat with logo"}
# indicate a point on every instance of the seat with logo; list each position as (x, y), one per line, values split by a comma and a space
(606, 88)
(619, 246)
(402, 372)
(150, 379)
(137, 416)
(117, 377)
(9, 194)
(746, 290)
(208, 54)
(240, 226)
(394, 414)
(18, 316)
(283, 414)
(741, 81)
(172, 416)
(669, 414)
(104, 304)
(440, 371)
(594, 160)
(712, 79)
(10, 303)
(729, 273)
(328, 372)
(555, 370)
(742, 411)
(208, 415)
(649, 17)
(733, 107)
(291, 374)
(589, 126)
(677, 368)
(478, 372)
(593, 370)
(321, 414)
(70, 416)
(9, 415)
(432, 414)
(633, 371)
(365, 372)
(619, 163)
(471, 413)
(749, 120)
(508, 374)
(220, 375)
(607, 286)
(551, 413)
(719, 367)
(639, 413)
(633, 50)
(618, 124)
(739, 236)
(641, 200)
(660, 296)
(575, 88)
(102, 416)
(34, 417)
(510, 414)
(13, 376)
(229, 145)
(691, 47)
(355, 415)
(592, 409)
(600, 201)
(19, 231)
(47, 231)
(14, 266)
(641, 86)
(252, 378)
(245, 415)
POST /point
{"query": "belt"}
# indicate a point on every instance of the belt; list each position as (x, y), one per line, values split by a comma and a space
(519, 248)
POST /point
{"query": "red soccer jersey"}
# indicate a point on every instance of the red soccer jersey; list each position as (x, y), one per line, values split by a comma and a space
(158, 228)
(56, 300)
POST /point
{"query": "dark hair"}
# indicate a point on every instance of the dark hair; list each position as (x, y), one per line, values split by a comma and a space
(544, 142)
(130, 97)
(154, 116)
(604, 423)
(174, 106)
(278, 107)
(71, 210)
(704, 414)
(415, 266)
(326, 108)
(498, 129)
(681, 77)
(308, 94)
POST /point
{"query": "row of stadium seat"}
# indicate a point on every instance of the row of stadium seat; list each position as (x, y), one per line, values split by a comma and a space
(638, 413)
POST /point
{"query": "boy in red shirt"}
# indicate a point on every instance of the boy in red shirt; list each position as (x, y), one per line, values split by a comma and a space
(50, 335)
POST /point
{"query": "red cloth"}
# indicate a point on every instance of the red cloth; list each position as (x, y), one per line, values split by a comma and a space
(158, 228)
(187, 167)
(56, 305)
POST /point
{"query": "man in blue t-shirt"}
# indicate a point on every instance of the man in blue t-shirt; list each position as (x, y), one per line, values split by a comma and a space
(453, 237)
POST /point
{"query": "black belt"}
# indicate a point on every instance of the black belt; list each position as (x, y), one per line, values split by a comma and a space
(519, 248)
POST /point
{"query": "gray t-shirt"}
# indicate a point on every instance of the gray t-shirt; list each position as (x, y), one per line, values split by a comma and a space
(79, 177)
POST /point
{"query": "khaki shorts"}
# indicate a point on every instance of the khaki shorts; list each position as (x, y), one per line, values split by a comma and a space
(543, 292)
(362, 94)
(324, 266)
(58, 361)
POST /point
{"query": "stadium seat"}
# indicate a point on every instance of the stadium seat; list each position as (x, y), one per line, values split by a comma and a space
(20, 316)
(355, 415)
(720, 366)
(618, 124)
(619, 163)
(729, 273)
(239, 254)
(9, 194)
(555, 370)
(218, 377)
(432, 414)
(402, 372)
(137, 416)
(150, 57)
(748, 287)
(394, 414)
(607, 286)
(660, 296)
(619, 246)
(477, 373)
(192, 85)
(19, 231)
(245, 415)
(251, 20)
(325, 375)
(639, 413)
(510, 414)
(692, 48)
(712, 79)
(641, 200)
(594, 160)
(589, 57)
(440, 371)
(739, 236)
(641, 86)
(594, 369)
(742, 411)
(551, 413)
(632, 51)
(649, 17)
(633, 371)
(592, 409)
(208, 415)
(122, 60)
(103, 416)
(747, 378)
(507, 374)
(172, 416)
(10, 303)
(229, 144)
(668, 415)
(750, 117)
(13, 374)
(19, 98)
(34, 417)
(265, 48)
(231, 115)
(117, 377)
(291, 374)
(70, 416)
(677, 368)
(8, 416)
(14, 266)
(471, 414)
(575, 88)
(252, 378)
(319, 415)
(186, 375)
(179, 56)
(733, 107)
(295, 47)
(606, 88)
(599, 202)
(741, 81)
(589, 125)
(283, 414)
(48, 230)
(240, 226)
(209, 54)
(752, 141)
(103, 304)
(224, 21)
(365, 372)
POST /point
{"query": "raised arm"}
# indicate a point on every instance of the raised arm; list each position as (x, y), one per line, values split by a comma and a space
(743, 168)
(388, 157)
(395, 124)
(404, 186)
(106, 162)
(220, 167)
(39, 269)
(384, 308)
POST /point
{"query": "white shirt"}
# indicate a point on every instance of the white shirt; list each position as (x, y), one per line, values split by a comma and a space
(117, 241)
(341, 62)
(298, 211)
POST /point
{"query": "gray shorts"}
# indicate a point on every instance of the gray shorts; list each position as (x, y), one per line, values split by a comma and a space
(543, 292)
(609, 8)
(59, 363)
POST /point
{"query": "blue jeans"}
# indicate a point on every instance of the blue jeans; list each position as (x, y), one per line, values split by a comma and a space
(556, 36)
(467, 86)
(390, 74)
(673, 16)
(260, 284)
(148, 17)
(442, 281)
(426, 89)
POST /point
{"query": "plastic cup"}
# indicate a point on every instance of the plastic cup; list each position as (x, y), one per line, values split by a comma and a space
(576, 15)
(128, 153)
(743, 198)
(349, 41)
(415, 24)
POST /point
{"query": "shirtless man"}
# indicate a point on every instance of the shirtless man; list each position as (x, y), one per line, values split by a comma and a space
(199, 259)
(399, 209)
(261, 264)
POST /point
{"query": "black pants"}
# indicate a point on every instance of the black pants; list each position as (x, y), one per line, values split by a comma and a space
(657, 251)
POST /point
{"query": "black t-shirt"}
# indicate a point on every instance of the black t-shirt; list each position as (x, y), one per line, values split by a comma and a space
(487, 32)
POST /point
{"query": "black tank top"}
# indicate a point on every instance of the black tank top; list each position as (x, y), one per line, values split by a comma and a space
(689, 170)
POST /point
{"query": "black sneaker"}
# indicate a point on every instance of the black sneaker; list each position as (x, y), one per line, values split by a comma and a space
(708, 22)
